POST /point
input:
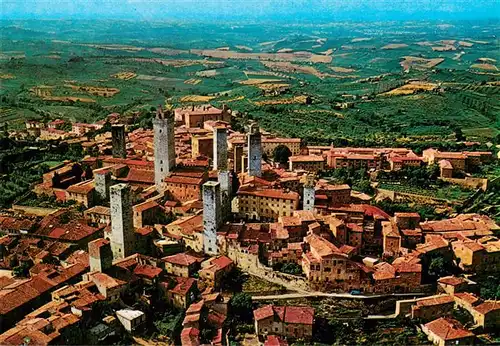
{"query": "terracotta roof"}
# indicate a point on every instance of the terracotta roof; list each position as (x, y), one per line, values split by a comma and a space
(222, 262)
(306, 158)
(102, 279)
(439, 300)
(140, 176)
(176, 179)
(467, 297)
(448, 329)
(183, 286)
(147, 271)
(99, 209)
(181, 259)
(487, 307)
(274, 340)
(451, 280)
(287, 314)
(139, 208)
(81, 188)
(263, 312)
(270, 193)
(299, 314)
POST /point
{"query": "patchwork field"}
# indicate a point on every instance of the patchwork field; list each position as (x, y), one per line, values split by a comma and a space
(347, 83)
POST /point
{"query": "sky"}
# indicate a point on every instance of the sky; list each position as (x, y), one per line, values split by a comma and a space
(283, 10)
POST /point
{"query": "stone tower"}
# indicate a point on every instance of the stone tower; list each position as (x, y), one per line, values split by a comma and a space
(211, 216)
(237, 155)
(224, 178)
(118, 141)
(164, 145)
(100, 255)
(309, 193)
(220, 149)
(254, 151)
(122, 227)
(102, 182)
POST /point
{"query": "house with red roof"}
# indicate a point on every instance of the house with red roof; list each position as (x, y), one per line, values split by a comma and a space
(294, 322)
(446, 331)
(183, 292)
(214, 273)
(181, 264)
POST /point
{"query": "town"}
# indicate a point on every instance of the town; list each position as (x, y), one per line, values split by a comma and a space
(153, 235)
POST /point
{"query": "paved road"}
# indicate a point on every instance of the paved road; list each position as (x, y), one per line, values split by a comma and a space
(334, 295)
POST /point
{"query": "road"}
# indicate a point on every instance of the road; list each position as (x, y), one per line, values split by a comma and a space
(334, 295)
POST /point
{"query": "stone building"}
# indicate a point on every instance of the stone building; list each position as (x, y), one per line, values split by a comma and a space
(309, 193)
(195, 116)
(212, 216)
(100, 255)
(122, 236)
(310, 163)
(295, 322)
(82, 193)
(118, 141)
(164, 146)
(446, 331)
(265, 204)
(254, 151)
(146, 213)
(202, 146)
(269, 144)
(220, 149)
(102, 182)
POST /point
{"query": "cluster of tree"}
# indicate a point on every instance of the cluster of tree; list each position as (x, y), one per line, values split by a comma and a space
(427, 212)
(358, 179)
(414, 176)
(288, 268)
(334, 331)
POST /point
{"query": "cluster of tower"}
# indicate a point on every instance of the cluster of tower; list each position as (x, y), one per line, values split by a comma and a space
(216, 194)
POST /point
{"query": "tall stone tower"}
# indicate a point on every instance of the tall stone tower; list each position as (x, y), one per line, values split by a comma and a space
(254, 151)
(118, 141)
(224, 178)
(309, 196)
(164, 145)
(102, 182)
(122, 225)
(211, 216)
(220, 149)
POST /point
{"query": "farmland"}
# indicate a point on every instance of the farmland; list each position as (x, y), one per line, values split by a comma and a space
(348, 83)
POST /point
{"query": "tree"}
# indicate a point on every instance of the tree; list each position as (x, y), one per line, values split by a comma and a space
(281, 154)
(440, 266)
(241, 307)
(291, 268)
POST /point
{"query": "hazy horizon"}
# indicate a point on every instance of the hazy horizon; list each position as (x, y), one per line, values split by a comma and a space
(278, 10)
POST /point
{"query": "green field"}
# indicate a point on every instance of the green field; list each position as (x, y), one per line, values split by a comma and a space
(62, 53)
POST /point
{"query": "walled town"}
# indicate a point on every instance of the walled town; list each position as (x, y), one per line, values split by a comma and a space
(195, 233)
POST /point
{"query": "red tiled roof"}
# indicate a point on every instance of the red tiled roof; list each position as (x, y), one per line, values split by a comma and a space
(183, 286)
(306, 158)
(274, 340)
(222, 262)
(430, 301)
(181, 259)
(487, 306)
(467, 297)
(451, 280)
(448, 329)
(139, 208)
(141, 176)
(176, 179)
(263, 312)
(147, 271)
(299, 314)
